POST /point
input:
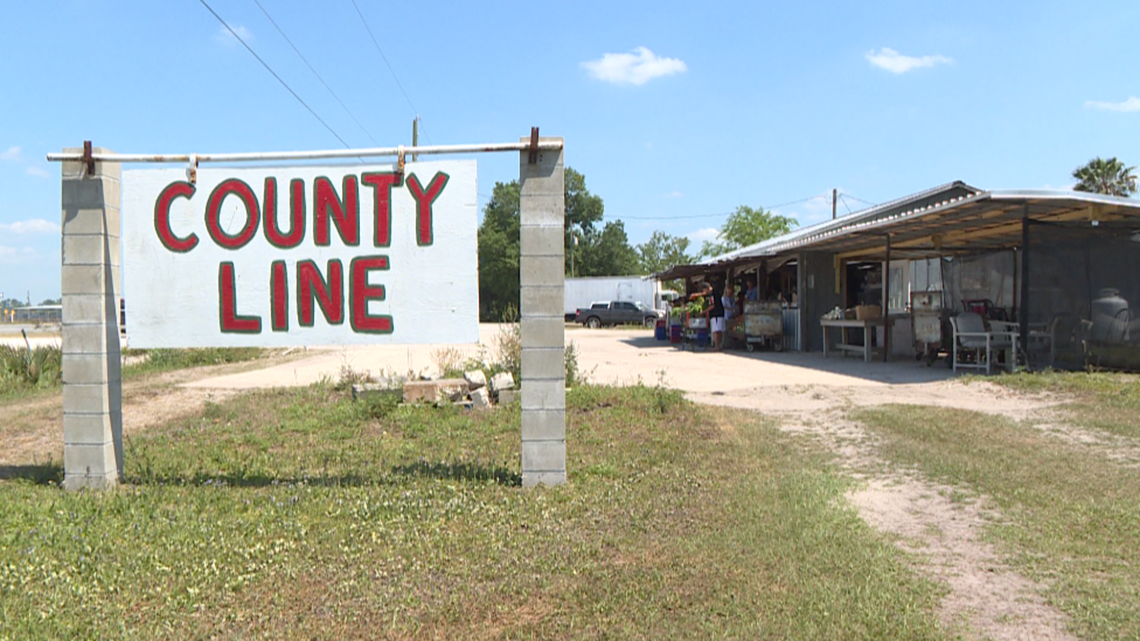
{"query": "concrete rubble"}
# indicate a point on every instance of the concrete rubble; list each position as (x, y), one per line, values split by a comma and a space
(473, 391)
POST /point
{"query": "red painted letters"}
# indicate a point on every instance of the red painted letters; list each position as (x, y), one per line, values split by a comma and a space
(424, 200)
(162, 217)
(346, 213)
(362, 292)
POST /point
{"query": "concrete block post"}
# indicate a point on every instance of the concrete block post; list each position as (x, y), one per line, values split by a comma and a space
(542, 272)
(92, 367)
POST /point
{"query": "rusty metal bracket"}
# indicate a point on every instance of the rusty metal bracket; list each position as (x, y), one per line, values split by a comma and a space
(532, 157)
(400, 162)
(192, 169)
(88, 158)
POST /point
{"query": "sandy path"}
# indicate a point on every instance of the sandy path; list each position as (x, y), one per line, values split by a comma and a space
(31, 430)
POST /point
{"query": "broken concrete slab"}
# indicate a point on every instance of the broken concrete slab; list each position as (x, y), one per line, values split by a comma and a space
(508, 396)
(480, 398)
(444, 389)
(476, 379)
(364, 390)
(502, 381)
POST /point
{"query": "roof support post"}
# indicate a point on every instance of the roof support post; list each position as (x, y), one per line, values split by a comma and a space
(1023, 315)
(886, 300)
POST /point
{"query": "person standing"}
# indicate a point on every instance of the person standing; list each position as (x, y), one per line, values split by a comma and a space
(753, 293)
(716, 319)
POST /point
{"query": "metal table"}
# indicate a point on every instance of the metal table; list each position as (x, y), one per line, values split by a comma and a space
(844, 345)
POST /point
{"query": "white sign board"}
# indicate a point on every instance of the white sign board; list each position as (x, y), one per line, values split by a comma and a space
(315, 255)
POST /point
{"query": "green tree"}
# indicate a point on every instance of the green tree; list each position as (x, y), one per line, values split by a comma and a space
(747, 226)
(598, 252)
(606, 252)
(1105, 177)
(583, 210)
(499, 253)
(663, 251)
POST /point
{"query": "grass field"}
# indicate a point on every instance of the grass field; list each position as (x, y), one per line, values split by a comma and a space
(1071, 515)
(301, 514)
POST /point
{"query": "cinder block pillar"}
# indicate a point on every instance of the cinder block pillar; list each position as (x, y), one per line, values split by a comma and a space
(542, 271)
(92, 373)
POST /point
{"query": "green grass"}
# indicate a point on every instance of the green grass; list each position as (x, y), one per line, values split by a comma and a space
(300, 514)
(26, 374)
(165, 360)
(25, 371)
(1071, 517)
(1101, 400)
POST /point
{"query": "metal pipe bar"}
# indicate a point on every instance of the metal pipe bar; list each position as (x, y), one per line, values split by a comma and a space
(545, 145)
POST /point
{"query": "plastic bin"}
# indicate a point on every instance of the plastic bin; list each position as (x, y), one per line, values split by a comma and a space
(661, 330)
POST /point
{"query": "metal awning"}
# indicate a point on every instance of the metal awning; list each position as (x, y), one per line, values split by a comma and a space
(989, 221)
(971, 222)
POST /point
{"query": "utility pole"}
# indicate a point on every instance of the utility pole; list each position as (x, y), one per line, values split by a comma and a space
(834, 199)
(415, 136)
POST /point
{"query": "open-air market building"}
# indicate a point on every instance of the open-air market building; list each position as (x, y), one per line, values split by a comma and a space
(1057, 272)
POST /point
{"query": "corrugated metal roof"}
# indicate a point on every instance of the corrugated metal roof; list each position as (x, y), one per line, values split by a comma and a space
(962, 218)
(764, 248)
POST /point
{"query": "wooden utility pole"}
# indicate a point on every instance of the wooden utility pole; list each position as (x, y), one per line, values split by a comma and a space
(834, 200)
(415, 136)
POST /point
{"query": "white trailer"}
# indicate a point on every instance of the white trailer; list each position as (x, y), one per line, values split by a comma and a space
(582, 292)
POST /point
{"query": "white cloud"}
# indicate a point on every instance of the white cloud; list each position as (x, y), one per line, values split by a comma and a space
(674, 194)
(701, 235)
(13, 256)
(33, 226)
(635, 68)
(225, 37)
(1132, 104)
(896, 62)
(40, 173)
(12, 153)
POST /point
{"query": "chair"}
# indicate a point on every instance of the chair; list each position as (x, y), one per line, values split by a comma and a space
(985, 307)
(971, 338)
(1063, 339)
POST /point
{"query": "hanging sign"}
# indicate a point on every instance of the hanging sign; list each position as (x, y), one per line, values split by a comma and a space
(315, 255)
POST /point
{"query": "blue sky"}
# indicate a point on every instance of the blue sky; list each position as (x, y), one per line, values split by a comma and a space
(676, 112)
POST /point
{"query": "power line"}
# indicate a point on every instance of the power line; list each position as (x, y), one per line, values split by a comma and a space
(270, 70)
(865, 202)
(787, 204)
(843, 199)
(385, 58)
(303, 59)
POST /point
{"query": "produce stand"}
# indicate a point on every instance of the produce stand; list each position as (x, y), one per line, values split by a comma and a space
(696, 333)
(763, 325)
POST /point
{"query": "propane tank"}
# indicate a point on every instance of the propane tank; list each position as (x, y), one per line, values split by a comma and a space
(1104, 315)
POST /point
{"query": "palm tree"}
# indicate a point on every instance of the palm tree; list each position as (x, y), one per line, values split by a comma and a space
(1105, 177)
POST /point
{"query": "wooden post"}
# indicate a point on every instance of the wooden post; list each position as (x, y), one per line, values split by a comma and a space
(886, 299)
(1023, 315)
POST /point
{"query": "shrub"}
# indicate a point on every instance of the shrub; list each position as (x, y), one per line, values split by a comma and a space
(24, 367)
